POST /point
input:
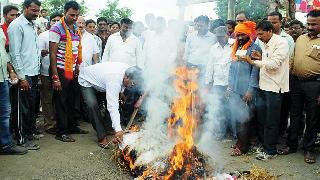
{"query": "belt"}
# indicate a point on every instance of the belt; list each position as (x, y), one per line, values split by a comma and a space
(311, 78)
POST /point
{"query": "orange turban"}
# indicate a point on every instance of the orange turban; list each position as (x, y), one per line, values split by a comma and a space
(247, 27)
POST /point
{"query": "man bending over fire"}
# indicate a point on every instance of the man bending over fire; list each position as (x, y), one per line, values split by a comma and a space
(112, 78)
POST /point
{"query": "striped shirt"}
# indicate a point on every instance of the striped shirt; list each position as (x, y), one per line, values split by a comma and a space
(58, 35)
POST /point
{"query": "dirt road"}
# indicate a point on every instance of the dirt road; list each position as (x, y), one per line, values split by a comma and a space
(85, 160)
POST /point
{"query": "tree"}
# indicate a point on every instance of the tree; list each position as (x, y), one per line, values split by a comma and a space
(256, 9)
(57, 6)
(113, 12)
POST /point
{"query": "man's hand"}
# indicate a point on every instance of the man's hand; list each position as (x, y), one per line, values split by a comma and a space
(256, 55)
(56, 85)
(77, 70)
(137, 105)
(118, 137)
(247, 97)
(13, 77)
(122, 98)
(44, 52)
(247, 59)
(318, 100)
(24, 85)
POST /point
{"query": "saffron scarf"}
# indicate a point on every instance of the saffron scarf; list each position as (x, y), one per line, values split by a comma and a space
(248, 28)
(69, 57)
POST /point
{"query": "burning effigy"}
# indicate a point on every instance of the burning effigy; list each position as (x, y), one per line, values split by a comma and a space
(173, 155)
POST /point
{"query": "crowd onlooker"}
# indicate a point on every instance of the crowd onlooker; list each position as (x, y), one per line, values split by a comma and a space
(257, 74)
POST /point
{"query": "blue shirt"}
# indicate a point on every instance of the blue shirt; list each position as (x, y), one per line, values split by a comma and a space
(24, 47)
(243, 76)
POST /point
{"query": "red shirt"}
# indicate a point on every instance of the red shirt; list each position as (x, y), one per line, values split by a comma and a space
(5, 30)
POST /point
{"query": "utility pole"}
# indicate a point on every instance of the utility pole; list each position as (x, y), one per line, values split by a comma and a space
(231, 9)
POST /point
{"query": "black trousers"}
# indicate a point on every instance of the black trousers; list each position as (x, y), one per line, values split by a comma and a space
(23, 104)
(269, 112)
(64, 105)
(304, 94)
(100, 124)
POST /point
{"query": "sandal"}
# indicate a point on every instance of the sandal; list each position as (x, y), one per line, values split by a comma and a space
(236, 151)
(286, 151)
(65, 138)
(309, 157)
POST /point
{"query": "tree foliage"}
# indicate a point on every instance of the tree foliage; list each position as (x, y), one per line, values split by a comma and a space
(256, 9)
(57, 6)
(113, 12)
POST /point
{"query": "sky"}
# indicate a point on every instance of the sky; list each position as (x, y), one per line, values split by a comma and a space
(165, 8)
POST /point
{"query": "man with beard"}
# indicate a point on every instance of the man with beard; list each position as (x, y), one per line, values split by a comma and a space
(65, 59)
(305, 89)
(242, 85)
(296, 28)
(273, 82)
(25, 58)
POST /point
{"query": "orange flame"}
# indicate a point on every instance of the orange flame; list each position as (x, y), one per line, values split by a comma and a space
(127, 157)
(182, 109)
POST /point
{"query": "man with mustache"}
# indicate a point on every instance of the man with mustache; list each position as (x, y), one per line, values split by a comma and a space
(296, 28)
(242, 84)
(305, 89)
(25, 58)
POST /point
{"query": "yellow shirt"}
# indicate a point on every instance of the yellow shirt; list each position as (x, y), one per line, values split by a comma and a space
(306, 60)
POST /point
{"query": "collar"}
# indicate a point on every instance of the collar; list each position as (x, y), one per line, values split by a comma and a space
(25, 20)
(271, 41)
(206, 35)
(75, 26)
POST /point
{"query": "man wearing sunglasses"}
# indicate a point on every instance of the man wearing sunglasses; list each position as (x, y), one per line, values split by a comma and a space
(111, 78)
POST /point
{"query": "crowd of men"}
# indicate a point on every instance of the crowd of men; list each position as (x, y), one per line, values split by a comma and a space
(265, 76)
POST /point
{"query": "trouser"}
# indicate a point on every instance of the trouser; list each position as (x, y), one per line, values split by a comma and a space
(93, 112)
(285, 111)
(24, 109)
(46, 100)
(304, 94)
(5, 109)
(64, 105)
(269, 112)
(241, 114)
(131, 94)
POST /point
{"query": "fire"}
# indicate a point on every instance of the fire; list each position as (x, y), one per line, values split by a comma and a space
(128, 158)
(134, 128)
(184, 161)
(182, 110)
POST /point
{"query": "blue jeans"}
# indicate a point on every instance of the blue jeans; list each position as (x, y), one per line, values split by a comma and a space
(5, 109)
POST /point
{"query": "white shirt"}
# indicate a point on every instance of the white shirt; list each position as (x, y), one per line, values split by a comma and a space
(128, 52)
(89, 48)
(41, 23)
(108, 77)
(197, 48)
(217, 69)
(44, 45)
(274, 66)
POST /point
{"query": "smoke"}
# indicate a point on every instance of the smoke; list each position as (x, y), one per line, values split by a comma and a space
(159, 53)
